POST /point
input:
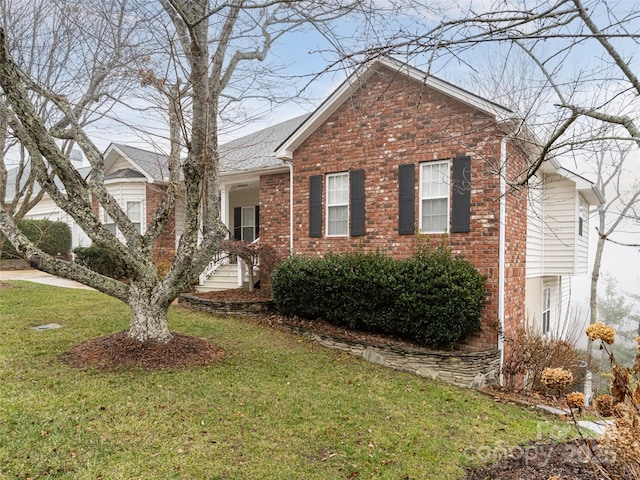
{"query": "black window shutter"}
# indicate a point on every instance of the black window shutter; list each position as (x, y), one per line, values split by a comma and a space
(237, 223)
(356, 186)
(407, 203)
(315, 206)
(257, 220)
(461, 195)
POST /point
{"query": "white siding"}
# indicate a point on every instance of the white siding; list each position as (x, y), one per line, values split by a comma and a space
(179, 214)
(46, 208)
(582, 241)
(535, 227)
(560, 223)
(533, 303)
(124, 192)
(120, 164)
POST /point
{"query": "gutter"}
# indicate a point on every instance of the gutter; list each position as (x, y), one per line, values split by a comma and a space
(502, 250)
(289, 164)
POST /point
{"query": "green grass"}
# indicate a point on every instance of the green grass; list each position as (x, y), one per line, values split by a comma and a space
(278, 407)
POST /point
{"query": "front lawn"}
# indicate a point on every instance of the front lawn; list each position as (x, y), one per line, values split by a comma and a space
(277, 407)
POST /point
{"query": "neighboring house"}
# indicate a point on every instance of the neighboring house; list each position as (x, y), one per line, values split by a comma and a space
(136, 179)
(391, 153)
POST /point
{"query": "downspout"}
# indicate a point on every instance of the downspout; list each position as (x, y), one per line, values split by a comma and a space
(501, 251)
(290, 165)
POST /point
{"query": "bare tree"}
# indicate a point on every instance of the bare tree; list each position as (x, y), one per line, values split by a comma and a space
(201, 52)
(582, 52)
(47, 39)
(612, 172)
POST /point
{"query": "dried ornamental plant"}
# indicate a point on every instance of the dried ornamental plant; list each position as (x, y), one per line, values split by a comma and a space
(557, 378)
(600, 331)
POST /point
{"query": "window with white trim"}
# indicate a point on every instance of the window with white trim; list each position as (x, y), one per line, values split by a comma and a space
(546, 310)
(434, 197)
(134, 212)
(337, 204)
(248, 224)
(110, 224)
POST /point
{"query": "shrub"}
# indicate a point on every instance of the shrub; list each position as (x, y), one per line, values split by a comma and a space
(529, 353)
(98, 260)
(51, 237)
(432, 297)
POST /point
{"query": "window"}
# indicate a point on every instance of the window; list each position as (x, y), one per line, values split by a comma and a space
(434, 197)
(546, 310)
(338, 204)
(111, 226)
(581, 216)
(134, 212)
(248, 224)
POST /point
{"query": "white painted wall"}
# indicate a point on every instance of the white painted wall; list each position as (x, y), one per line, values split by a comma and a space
(560, 224)
(582, 241)
(533, 303)
(535, 227)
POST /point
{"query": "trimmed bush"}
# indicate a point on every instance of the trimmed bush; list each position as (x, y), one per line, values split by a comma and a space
(98, 260)
(51, 237)
(431, 297)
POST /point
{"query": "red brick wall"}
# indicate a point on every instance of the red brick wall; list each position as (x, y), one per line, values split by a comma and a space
(164, 249)
(274, 212)
(394, 121)
(516, 244)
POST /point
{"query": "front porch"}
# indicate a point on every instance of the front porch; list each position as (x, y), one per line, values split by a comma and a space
(240, 212)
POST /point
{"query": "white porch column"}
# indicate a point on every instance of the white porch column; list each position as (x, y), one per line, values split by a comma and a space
(224, 206)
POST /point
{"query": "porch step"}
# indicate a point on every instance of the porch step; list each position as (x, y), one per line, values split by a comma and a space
(225, 278)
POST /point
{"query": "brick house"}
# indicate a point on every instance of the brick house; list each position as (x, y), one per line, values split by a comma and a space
(389, 153)
(393, 152)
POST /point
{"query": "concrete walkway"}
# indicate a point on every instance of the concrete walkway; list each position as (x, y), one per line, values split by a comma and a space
(40, 277)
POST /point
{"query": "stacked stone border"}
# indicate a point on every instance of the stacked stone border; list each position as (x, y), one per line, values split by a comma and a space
(243, 309)
(463, 369)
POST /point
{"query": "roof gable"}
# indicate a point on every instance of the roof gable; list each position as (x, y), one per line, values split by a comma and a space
(153, 166)
(359, 77)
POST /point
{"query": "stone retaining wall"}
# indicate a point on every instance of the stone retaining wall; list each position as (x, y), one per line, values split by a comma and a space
(464, 369)
(226, 308)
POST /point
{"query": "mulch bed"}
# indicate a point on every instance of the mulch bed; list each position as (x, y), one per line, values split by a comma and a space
(118, 351)
(540, 461)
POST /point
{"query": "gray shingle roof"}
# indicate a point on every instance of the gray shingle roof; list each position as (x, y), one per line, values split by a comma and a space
(12, 175)
(152, 163)
(251, 152)
(255, 151)
(124, 173)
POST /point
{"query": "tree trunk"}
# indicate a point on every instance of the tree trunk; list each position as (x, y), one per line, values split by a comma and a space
(149, 318)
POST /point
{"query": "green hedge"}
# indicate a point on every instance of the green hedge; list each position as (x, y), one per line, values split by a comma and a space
(51, 237)
(431, 297)
(98, 260)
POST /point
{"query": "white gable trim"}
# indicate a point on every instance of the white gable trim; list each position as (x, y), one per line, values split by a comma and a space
(589, 190)
(112, 154)
(347, 88)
